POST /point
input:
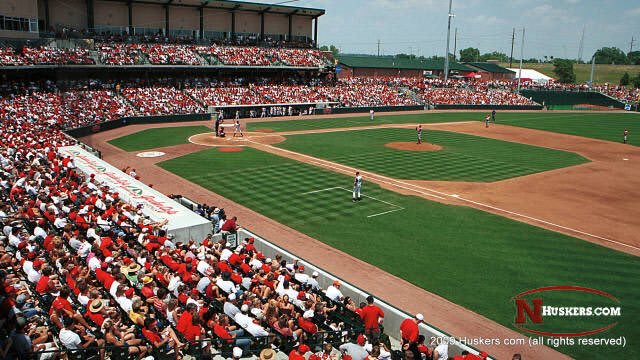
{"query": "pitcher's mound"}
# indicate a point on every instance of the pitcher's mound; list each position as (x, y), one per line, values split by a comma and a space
(230, 149)
(411, 146)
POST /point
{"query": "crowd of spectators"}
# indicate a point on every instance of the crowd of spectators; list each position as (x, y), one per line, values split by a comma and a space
(44, 55)
(475, 97)
(118, 53)
(159, 100)
(84, 269)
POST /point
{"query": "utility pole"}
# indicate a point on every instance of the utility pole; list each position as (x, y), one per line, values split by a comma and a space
(446, 55)
(455, 43)
(581, 47)
(521, 57)
(631, 45)
(378, 47)
(513, 39)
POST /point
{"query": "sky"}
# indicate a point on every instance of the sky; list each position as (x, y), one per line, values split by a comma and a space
(552, 28)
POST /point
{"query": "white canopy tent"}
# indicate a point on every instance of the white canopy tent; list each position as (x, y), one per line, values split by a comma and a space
(533, 75)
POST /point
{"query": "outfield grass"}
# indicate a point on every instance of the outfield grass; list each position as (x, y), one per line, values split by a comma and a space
(158, 137)
(604, 126)
(472, 258)
(463, 157)
(341, 122)
(604, 73)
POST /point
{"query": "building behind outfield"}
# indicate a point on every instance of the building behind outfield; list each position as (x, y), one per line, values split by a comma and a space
(205, 19)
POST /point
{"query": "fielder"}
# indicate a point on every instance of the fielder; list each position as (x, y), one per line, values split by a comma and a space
(357, 186)
(371, 114)
(236, 129)
(486, 120)
(625, 136)
(419, 133)
(493, 116)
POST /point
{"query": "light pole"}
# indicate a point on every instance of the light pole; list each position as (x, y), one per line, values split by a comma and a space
(446, 55)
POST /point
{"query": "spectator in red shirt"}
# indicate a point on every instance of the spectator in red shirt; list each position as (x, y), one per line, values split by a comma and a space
(373, 317)
(229, 227)
(409, 329)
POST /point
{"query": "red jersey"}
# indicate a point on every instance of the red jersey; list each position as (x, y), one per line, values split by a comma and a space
(409, 330)
(370, 315)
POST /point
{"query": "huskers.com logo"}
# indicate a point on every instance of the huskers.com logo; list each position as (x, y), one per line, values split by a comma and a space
(566, 311)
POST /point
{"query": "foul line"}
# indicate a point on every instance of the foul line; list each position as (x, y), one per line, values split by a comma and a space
(412, 187)
(321, 190)
(367, 196)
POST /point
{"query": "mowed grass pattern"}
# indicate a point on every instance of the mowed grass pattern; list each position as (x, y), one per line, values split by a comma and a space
(158, 137)
(463, 157)
(359, 121)
(604, 126)
(472, 258)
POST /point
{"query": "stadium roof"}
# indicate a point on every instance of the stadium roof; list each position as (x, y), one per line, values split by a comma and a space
(489, 67)
(390, 62)
(234, 6)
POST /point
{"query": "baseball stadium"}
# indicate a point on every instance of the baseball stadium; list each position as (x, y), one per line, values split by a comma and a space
(187, 179)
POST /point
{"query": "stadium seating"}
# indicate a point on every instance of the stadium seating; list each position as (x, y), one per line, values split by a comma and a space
(77, 258)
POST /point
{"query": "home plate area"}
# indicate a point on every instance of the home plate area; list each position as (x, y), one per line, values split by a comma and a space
(369, 205)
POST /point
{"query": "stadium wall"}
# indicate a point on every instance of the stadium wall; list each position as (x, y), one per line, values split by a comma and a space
(110, 125)
(552, 97)
(393, 316)
(111, 14)
(71, 13)
(487, 107)
(25, 9)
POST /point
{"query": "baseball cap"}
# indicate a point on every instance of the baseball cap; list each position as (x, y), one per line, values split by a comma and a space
(237, 352)
(303, 348)
(315, 274)
(361, 339)
(420, 317)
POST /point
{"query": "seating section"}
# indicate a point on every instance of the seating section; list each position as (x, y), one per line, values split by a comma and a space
(84, 268)
(159, 100)
(8, 57)
(120, 54)
(475, 97)
(54, 56)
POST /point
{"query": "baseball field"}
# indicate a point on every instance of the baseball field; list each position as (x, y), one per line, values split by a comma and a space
(474, 258)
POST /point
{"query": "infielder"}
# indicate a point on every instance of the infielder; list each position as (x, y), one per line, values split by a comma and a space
(486, 120)
(357, 186)
(493, 116)
(371, 114)
(236, 129)
(419, 133)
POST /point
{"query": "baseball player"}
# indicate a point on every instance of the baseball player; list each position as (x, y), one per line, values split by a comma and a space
(419, 133)
(237, 114)
(486, 120)
(493, 115)
(236, 129)
(625, 136)
(371, 114)
(357, 186)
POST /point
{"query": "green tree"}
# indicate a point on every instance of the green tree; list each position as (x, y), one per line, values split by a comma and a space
(494, 55)
(625, 79)
(405, 56)
(610, 55)
(563, 69)
(469, 55)
(636, 81)
(334, 50)
(634, 57)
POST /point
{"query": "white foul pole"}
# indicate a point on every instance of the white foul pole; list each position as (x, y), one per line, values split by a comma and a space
(446, 55)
